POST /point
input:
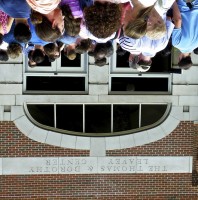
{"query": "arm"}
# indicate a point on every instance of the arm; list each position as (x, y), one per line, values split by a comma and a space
(9, 24)
(177, 16)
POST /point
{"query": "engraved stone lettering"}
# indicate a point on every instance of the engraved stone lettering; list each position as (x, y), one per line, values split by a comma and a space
(139, 168)
(84, 162)
(151, 168)
(54, 169)
(90, 168)
(132, 168)
(31, 169)
(46, 169)
(47, 162)
(117, 161)
(132, 161)
(110, 162)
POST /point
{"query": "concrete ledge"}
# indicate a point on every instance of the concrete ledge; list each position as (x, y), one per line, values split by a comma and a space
(10, 89)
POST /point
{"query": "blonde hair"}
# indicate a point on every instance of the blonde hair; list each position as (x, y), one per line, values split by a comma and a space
(158, 31)
(138, 28)
(70, 54)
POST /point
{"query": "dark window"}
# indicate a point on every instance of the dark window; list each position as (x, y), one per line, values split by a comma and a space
(139, 84)
(98, 118)
(125, 117)
(44, 114)
(152, 113)
(70, 117)
(47, 83)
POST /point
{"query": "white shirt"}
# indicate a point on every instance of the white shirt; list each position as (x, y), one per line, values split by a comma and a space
(161, 6)
(145, 45)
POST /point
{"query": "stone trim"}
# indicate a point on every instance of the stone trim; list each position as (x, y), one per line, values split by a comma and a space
(96, 165)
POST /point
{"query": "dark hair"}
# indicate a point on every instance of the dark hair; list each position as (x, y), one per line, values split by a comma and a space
(72, 25)
(49, 48)
(14, 50)
(30, 54)
(22, 33)
(83, 46)
(38, 56)
(103, 50)
(3, 55)
(69, 53)
(109, 49)
(196, 51)
(100, 62)
(50, 59)
(43, 27)
(102, 19)
(185, 63)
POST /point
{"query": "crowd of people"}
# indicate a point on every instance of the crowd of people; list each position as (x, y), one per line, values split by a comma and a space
(40, 28)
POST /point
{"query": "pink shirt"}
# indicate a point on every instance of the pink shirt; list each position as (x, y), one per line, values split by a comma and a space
(3, 21)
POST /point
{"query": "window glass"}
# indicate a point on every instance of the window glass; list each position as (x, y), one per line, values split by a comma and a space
(97, 118)
(125, 117)
(69, 117)
(48, 83)
(44, 114)
(152, 113)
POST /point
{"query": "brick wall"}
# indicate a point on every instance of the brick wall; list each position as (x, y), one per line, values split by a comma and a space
(101, 186)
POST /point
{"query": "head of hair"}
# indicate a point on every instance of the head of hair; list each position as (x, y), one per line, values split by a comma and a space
(3, 55)
(72, 25)
(83, 46)
(30, 54)
(102, 19)
(44, 29)
(38, 56)
(50, 50)
(100, 62)
(22, 33)
(70, 54)
(109, 48)
(185, 63)
(103, 50)
(158, 31)
(14, 50)
(138, 28)
(91, 53)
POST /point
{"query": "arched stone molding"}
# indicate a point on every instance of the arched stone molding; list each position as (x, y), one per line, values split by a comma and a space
(117, 142)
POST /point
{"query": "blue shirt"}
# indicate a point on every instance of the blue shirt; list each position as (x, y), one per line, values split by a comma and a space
(186, 38)
(35, 39)
(15, 8)
(66, 39)
(9, 37)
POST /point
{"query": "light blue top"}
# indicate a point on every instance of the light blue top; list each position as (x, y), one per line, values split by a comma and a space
(186, 37)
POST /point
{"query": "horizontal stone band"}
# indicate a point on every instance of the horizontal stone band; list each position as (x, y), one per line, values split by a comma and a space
(95, 165)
